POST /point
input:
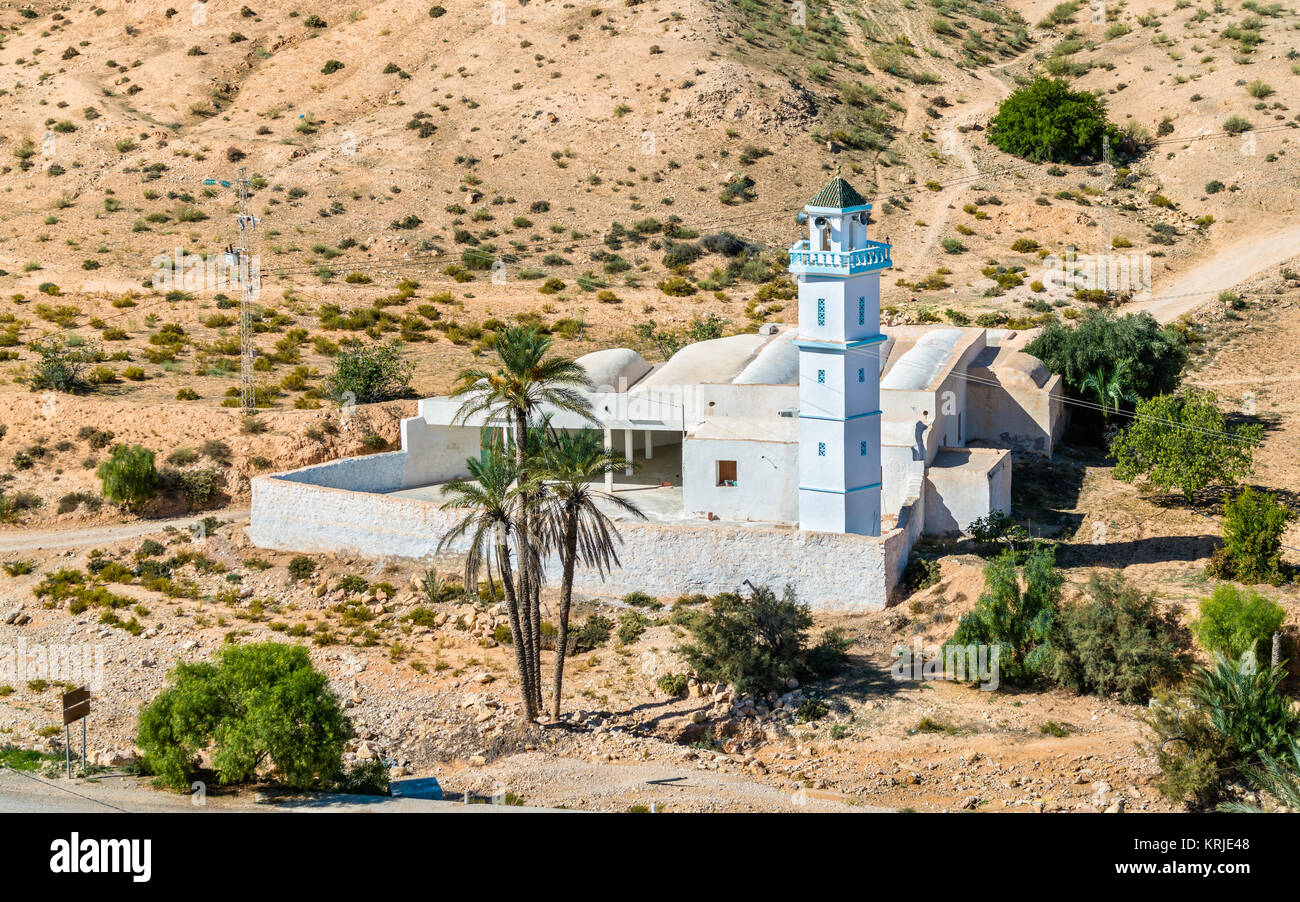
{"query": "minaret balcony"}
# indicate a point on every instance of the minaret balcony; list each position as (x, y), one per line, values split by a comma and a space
(805, 261)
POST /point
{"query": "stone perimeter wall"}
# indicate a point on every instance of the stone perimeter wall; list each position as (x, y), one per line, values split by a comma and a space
(303, 511)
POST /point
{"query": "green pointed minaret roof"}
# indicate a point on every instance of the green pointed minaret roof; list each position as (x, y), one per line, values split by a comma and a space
(838, 195)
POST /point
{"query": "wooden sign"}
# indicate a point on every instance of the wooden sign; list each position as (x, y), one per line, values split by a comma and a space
(76, 705)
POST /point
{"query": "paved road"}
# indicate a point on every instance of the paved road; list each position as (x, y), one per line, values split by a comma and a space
(46, 539)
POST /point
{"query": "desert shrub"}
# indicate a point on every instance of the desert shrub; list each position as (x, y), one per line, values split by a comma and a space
(1253, 524)
(1183, 442)
(1018, 622)
(919, 573)
(758, 644)
(301, 567)
(1119, 643)
(672, 684)
(369, 372)
(631, 624)
(1234, 622)
(60, 366)
(129, 477)
(1187, 748)
(594, 632)
(1152, 356)
(255, 705)
(200, 486)
(1046, 121)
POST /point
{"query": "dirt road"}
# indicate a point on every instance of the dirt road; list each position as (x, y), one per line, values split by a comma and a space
(45, 539)
(1229, 266)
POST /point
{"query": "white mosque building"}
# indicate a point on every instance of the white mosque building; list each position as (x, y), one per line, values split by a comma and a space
(755, 455)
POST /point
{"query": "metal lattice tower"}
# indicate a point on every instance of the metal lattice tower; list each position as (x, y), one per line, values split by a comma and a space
(244, 257)
(239, 258)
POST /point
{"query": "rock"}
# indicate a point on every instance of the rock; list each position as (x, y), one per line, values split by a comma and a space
(477, 760)
(969, 803)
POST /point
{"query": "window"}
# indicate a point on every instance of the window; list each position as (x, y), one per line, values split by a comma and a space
(821, 311)
(727, 473)
(821, 377)
(821, 449)
(862, 374)
(862, 449)
(862, 311)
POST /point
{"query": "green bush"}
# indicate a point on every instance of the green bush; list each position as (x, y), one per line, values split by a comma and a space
(60, 366)
(672, 684)
(128, 477)
(758, 644)
(1152, 356)
(631, 624)
(595, 632)
(1018, 622)
(1119, 643)
(301, 567)
(1253, 523)
(1045, 121)
(263, 709)
(200, 487)
(1234, 621)
(364, 373)
(1187, 748)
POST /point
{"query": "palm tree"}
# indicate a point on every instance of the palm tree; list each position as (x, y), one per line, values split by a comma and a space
(1277, 776)
(525, 381)
(1111, 388)
(493, 503)
(574, 524)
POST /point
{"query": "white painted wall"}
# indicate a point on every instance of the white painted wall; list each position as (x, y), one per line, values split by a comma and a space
(766, 475)
(294, 512)
(965, 485)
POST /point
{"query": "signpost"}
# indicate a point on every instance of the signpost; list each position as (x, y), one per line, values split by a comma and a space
(76, 707)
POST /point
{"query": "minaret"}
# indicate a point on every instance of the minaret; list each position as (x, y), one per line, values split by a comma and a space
(838, 271)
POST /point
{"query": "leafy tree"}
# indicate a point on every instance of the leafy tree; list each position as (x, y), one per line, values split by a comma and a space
(757, 644)
(1121, 642)
(364, 373)
(1045, 121)
(492, 501)
(254, 706)
(1149, 358)
(1234, 622)
(129, 477)
(1182, 442)
(1253, 523)
(1018, 621)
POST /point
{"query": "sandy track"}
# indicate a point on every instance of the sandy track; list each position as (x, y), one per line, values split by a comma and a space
(78, 537)
(1229, 266)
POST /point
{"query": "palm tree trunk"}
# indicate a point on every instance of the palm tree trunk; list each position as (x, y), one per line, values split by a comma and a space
(512, 606)
(529, 579)
(566, 600)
